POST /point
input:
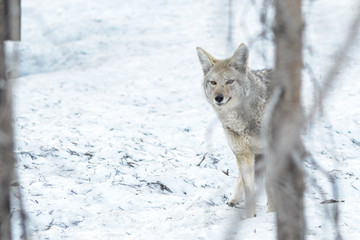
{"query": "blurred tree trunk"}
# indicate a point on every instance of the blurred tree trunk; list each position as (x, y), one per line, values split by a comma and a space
(285, 149)
(11, 19)
(6, 135)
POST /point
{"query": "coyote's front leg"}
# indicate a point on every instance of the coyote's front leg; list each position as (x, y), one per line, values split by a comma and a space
(245, 183)
(238, 192)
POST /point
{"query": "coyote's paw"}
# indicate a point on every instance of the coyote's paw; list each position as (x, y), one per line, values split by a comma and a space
(233, 203)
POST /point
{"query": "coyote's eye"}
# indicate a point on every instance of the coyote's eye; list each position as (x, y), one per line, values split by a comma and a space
(230, 82)
(213, 82)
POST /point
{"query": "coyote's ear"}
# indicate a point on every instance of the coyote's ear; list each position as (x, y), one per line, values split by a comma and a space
(240, 58)
(207, 61)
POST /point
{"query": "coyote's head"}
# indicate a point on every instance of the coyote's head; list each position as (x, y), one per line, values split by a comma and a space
(225, 81)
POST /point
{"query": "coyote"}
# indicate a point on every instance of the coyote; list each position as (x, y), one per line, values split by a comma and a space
(239, 97)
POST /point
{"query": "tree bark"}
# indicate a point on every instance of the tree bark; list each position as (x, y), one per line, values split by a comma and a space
(284, 147)
(6, 137)
(11, 19)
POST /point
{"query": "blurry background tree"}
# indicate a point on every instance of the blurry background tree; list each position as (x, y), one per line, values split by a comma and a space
(9, 30)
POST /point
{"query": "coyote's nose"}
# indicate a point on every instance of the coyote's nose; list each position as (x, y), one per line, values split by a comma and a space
(219, 98)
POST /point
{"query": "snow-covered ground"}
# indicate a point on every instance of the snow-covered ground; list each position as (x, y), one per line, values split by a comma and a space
(115, 140)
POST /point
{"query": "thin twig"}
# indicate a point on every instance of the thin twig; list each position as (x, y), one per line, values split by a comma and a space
(203, 158)
(340, 60)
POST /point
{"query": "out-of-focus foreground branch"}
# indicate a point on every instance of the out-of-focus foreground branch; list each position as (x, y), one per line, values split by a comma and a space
(339, 62)
(7, 159)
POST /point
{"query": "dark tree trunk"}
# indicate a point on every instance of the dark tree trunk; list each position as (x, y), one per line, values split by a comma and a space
(11, 19)
(6, 135)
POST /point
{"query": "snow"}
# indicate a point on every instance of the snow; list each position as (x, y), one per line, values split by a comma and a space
(111, 121)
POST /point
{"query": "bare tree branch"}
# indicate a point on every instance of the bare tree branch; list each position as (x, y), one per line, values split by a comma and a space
(339, 62)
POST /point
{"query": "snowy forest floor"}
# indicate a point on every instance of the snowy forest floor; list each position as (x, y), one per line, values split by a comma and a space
(114, 138)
